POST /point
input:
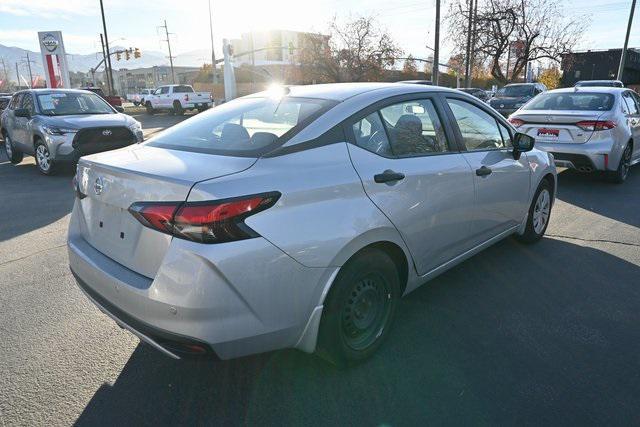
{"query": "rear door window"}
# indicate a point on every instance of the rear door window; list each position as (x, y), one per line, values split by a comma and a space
(182, 89)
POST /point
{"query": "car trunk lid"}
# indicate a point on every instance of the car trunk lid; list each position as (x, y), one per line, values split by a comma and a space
(113, 181)
(553, 126)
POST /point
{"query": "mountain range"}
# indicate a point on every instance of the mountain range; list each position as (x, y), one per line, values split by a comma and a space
(12, 55)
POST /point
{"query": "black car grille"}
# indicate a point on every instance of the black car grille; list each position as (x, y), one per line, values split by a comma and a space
(96, 140)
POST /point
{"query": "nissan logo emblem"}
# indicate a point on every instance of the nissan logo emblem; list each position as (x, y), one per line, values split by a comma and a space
(98, 186)
(501, 105)
(106, 132)
(49, 42)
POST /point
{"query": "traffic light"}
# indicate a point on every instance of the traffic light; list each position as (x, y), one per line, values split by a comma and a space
(117, 56)
(136, 53)
(127, 54)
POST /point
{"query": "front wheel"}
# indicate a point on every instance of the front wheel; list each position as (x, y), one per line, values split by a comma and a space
(13, 155)
(539, 214)
(177, 109)
(44, 160)
(620, 175)
(149, 108)
(359, 308)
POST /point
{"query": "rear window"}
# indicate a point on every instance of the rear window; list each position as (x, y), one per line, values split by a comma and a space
(182, 89)
(246, 127)
(572, 101)
(516, 91)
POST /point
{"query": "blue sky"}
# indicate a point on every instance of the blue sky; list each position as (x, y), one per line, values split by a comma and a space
(134, 22)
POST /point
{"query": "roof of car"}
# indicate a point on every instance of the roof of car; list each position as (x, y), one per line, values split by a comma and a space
(49, 90)
(590, 89)
(342, 91)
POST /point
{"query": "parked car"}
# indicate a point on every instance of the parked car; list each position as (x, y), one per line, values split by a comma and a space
(298, 220)
(513, 96)
(478, 93)
(60, 125)
(114, 100)
(177, 99)
(599, 83)
(587, 129)
(139, 98)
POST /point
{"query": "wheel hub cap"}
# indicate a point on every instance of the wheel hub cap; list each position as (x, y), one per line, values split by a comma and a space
(541, 211)
(43, 158)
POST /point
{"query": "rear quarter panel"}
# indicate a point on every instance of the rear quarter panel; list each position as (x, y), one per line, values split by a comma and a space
(323, 216)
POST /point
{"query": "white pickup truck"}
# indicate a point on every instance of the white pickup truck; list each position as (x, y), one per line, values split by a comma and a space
(138, 98)
(176, 99)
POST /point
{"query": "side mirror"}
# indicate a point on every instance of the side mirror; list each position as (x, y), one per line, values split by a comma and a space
(22, 112)
(119, 109)
(522, 143)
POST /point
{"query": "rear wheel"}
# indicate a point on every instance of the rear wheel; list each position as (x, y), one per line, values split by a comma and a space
(620, 175)
(13, 155)
(359, 308)
(149, 108)
(539, 214)
(44, 160)
(177, 108)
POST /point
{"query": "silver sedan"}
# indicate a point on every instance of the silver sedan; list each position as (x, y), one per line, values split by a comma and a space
(587, 129)
(298, 217)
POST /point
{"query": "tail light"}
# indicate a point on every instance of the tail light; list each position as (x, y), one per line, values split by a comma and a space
(516, 122)
(594, 125)
(217, 221)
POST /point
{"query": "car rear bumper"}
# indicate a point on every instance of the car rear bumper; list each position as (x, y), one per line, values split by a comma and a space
(586, 157)
(231, 300)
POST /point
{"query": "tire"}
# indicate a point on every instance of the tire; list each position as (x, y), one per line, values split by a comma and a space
(177, 108)
(136, 103)
(620, 175)
(13, 155)
(149, 108)
(540, 204)
(46, 165)
(359, 308)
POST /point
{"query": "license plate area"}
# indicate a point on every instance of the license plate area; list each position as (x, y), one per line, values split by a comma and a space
(548, 134)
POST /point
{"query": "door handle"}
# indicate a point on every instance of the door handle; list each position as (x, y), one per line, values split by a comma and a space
(483, 171)
(388, 176)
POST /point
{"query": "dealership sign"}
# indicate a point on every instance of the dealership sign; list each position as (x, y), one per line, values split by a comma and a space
(54, 58)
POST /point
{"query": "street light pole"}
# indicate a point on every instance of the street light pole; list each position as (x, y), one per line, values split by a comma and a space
(213, 53)
(436, 50)
(623, 54)
(106, 43)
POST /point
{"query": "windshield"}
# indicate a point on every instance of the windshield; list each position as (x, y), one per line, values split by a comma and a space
(245, 127)
(516, 91)
(572, 101)
(72, 103)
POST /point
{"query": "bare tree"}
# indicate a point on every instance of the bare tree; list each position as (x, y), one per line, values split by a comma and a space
(356, 50)
(510, 33)
(410, 69)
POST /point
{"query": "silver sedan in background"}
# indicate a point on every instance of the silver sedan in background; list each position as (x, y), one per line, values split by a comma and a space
(60, 125)
(297, 218)
(587, 129)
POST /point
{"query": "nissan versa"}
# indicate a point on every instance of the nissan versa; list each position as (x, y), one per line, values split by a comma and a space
(60, 125)
(297, 218)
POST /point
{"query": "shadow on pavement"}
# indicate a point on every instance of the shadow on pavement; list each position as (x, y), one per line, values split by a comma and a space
(30, 200)
(592, 192)
(484, 343)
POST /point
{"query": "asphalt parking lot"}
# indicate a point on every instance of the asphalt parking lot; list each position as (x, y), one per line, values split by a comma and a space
(542, 334)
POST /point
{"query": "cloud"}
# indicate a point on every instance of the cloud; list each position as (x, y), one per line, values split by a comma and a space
(48, 9)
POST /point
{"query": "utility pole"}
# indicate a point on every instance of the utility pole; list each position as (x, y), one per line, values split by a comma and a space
(436, 48)
(28, 61)
(473, 40)
(4, 68)
(106, 67)
(18, 75)
(213, 53)
(106, 43)
(623, 54)
(467, 73)
(166, 30)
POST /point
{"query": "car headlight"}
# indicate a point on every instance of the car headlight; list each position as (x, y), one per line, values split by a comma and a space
(55, 130)
(135, 127)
